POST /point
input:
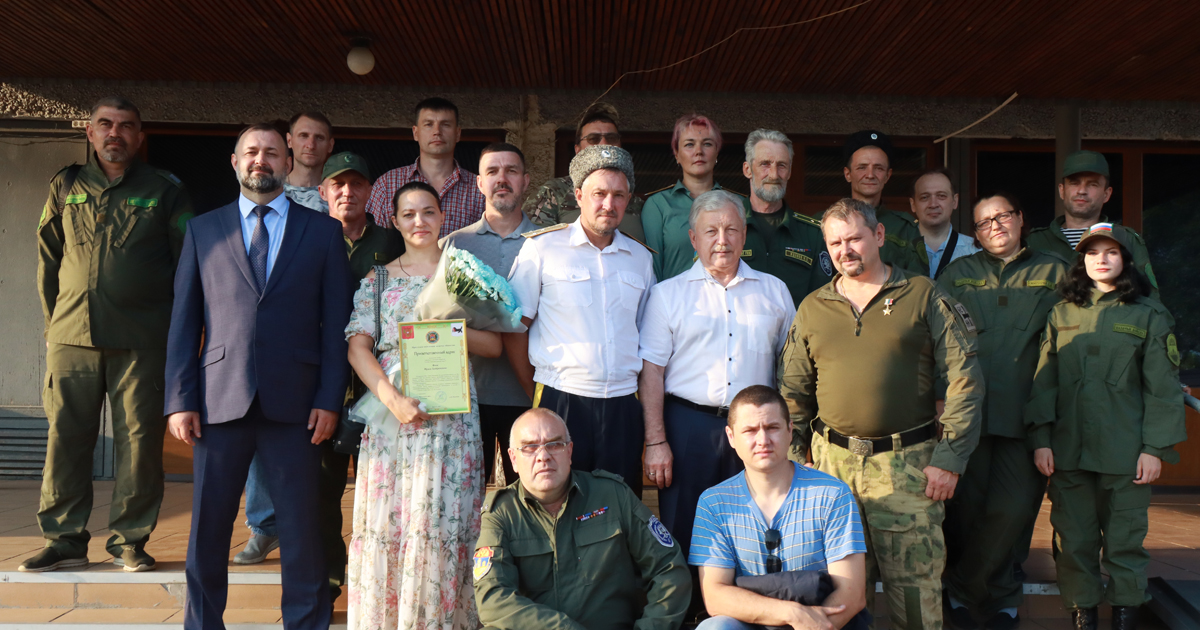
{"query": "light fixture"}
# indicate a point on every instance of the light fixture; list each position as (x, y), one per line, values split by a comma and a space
(360, 59)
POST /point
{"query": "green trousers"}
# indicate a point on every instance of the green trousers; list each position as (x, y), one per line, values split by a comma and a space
(1094, 512)
(902, 527)
(77, 381)
(985, 521)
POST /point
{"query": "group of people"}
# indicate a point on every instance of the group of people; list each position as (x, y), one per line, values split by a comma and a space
(895, 395)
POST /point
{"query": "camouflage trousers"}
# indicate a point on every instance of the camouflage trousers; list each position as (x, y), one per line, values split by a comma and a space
(902, 527)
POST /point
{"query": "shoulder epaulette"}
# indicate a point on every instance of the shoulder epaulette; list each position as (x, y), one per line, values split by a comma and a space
(800, 216)
(491, 497)
(1134, 233)
(604, 474)
(169, 176)
(553, 228)
(639, 243)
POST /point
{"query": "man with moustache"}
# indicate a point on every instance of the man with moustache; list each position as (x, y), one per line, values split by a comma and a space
(1084, 189)
(310, 137)
(108, 241)
(437, 130)
(496, 239)
(256, 366)
(868, 158)
(934, 201)
(780, 241)
(554, 202)
(582, 289)
(569, 549)
(867, 350)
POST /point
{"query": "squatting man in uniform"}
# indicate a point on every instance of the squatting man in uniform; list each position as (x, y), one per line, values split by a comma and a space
(867, 350)
(108, 243)
(571, 549)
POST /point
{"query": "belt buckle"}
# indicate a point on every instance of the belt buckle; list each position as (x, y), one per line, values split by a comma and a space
(860, 447)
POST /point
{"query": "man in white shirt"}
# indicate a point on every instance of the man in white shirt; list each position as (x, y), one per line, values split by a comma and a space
(707, 334)
(582, 288)
(934, 201)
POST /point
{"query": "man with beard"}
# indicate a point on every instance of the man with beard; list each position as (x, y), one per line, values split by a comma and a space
(868, 158)
(108, 242)
(934, 202)
(780, 241)
(310, 137)
(868, 350)
(1084, 189)
(256, 365)
(582, 288)
(496, 239)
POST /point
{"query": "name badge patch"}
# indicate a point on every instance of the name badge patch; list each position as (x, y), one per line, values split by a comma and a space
(747, 252)
(1040, 283)
(76, 198)
(794, 254)
(975, 282)
(660, 532)
(1130, 329)
(482, 562)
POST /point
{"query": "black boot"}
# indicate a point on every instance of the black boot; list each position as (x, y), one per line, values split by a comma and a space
(1084, 619)
(1124, 617)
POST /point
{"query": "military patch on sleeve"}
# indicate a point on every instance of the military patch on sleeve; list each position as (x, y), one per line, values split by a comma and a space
(826, 263)
(660, 532)
(545, 230)
(966, 316)
(1130, 329)
(482, 562)
(1173, 349)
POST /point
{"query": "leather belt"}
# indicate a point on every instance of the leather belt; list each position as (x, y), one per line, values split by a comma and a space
(867, 447)
(720, 412)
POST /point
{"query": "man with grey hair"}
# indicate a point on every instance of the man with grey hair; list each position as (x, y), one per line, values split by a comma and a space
(582, 288)
(881, 338)
(780, 241)
(629, 571)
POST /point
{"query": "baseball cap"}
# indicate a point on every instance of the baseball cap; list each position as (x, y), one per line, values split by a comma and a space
(342, 162)
(1085, 162)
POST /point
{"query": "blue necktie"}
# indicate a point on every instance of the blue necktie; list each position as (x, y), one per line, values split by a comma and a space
(260, 242)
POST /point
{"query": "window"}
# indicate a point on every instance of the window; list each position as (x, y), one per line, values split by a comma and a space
(1171, 195)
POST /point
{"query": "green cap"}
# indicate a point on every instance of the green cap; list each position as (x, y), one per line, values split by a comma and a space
(342, 162)
(1085, 162)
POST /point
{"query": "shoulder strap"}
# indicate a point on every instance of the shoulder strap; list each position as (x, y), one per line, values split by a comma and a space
(381, 275)
(69, 176)
(947, 253)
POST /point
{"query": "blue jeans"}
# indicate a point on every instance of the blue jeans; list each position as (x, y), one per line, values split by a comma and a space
(726, 623)
(260, 511)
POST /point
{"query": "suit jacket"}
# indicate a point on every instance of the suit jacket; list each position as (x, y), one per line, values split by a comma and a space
(287, 344)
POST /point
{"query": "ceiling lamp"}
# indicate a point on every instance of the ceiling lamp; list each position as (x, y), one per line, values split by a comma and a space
(360, 59)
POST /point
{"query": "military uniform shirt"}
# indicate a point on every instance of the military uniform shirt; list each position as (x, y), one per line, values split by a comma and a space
(586, 305)
(376, 246)
(665, 221)
(1107, 386)
(793, 252)
(875, 375)
(603, 562)
(554, 202)
(900, 241)
(1052, 240)
(1009, 303)
(106, 260)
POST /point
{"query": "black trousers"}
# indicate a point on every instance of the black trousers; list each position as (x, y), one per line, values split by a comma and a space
(221, 461)
(495, 423)
(608, 432)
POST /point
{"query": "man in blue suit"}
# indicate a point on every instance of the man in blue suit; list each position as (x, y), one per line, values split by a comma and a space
(264, 285)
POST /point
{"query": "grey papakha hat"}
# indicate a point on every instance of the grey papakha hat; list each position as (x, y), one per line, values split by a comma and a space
(601, 156)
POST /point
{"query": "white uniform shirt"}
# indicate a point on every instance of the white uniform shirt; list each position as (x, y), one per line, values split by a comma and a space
(715, 341)
(585, 304)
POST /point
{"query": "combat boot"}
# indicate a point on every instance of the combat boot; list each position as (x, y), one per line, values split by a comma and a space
(1084, 619)
(1125, 617)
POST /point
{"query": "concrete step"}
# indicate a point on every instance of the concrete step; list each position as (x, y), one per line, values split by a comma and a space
(140, 618)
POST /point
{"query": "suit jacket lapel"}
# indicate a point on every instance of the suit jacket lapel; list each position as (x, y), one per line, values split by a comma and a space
(297, 220)
(231, 223)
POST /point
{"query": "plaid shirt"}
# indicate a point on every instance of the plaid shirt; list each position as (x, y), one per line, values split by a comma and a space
(462, 202)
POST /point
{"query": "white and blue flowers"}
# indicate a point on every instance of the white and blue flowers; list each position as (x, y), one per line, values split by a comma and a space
(464, 287)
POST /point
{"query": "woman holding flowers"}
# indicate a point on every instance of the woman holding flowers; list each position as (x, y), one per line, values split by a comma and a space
(420, 483)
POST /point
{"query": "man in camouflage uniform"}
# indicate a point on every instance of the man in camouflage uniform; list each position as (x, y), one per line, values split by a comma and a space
(867, 349)
(108, 242)
(554, 202)
(868, 167)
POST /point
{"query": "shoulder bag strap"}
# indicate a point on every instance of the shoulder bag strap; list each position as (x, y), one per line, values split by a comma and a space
(948, 253)
(381, 276)
(67, 182)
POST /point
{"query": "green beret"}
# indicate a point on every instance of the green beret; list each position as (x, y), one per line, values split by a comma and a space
(601, 156)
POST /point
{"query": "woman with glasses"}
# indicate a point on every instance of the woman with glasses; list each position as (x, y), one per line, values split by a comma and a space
(696, 142)
(419, 483)
(1008, 289)
(1105, 412)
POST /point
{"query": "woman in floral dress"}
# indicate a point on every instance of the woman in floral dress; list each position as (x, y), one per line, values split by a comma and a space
(420, 483)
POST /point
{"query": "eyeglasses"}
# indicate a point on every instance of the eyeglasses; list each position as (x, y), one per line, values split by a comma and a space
(553, 448)
(608, 138)
(772, 539)
(1004, 218)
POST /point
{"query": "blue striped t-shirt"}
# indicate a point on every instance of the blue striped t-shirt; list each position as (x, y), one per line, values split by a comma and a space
(819, 523)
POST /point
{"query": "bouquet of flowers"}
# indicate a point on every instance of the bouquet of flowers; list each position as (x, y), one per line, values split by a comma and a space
(464, 287)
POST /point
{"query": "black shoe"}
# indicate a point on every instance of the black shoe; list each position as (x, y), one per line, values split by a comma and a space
(1124, 617)
(1084, 619)
(135, 560)
(1003, 621)
(50, 559)
(960, 618)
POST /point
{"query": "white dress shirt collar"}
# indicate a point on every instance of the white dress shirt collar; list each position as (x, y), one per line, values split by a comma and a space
(579, 237)
(278, 204)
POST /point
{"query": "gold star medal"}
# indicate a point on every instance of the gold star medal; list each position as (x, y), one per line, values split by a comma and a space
(887, 306)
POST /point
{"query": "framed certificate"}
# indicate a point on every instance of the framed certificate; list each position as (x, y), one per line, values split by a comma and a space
(433, 356)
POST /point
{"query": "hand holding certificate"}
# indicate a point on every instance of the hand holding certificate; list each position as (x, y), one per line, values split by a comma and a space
(434, 359)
